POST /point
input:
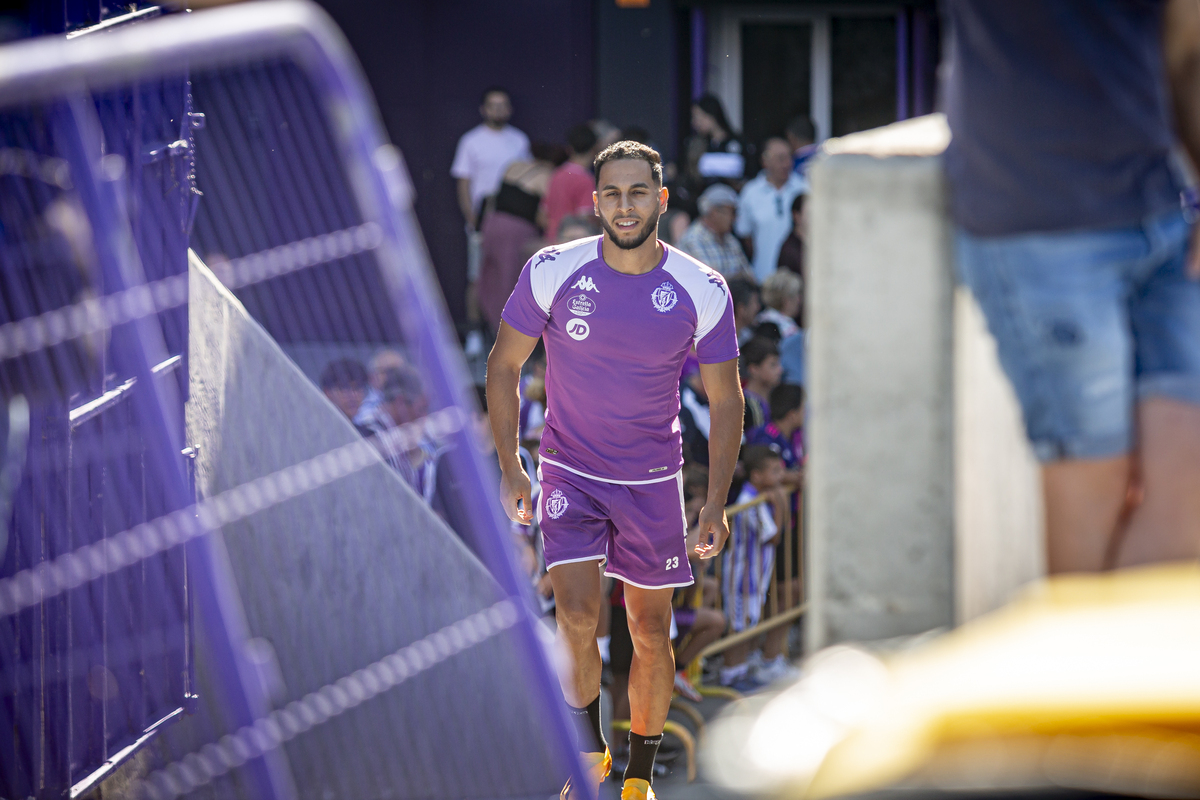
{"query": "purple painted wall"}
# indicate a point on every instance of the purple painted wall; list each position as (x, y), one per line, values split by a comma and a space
(427, 62)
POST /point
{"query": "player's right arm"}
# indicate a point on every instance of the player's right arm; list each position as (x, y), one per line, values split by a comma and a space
(504, 364)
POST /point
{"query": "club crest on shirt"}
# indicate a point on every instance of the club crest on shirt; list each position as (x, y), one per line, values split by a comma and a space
(556, 504)
(581, 305)
(664, 297)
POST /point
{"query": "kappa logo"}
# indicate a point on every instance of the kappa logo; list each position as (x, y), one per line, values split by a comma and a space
(586, 284)
(715, 278)
(664, 297)
(556, 504)
(578, 329)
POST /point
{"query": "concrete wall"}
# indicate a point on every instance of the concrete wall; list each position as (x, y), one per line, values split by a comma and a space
(344, 575)
(922, 496)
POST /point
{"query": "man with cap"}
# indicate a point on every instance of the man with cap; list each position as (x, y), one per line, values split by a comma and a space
(710, 238)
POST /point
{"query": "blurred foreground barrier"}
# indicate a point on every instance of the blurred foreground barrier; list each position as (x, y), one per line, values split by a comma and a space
(924, 501)
(1086, 682)
(347, 638)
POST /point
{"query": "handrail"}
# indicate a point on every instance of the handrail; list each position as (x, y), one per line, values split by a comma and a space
(793, 606)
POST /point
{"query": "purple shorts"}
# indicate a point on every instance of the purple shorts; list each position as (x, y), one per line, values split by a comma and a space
(638, 529)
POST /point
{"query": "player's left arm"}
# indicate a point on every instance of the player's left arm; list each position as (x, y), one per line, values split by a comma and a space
(726, 406)
(1181, 51)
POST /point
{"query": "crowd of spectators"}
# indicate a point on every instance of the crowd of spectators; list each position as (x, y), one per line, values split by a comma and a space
(748, 224)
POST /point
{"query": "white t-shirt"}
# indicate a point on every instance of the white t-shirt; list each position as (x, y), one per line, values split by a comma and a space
(765, 214)
(484, 154)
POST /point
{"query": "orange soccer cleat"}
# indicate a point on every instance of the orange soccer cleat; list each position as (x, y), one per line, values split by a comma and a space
(598, 766)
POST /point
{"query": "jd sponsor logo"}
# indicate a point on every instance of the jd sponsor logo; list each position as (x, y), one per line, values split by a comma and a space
(578, 329)
(581, 305)
(585, 283)
(556, 504)
(664, 297)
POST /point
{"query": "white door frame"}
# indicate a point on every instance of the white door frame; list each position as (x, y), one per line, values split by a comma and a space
(725, 54)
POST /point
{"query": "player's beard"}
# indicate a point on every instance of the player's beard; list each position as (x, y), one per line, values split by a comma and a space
(650, 228)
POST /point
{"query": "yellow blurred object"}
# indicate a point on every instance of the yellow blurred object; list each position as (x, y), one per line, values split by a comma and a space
(1085, 681)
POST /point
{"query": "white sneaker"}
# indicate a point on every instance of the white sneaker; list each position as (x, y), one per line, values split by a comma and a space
(777, 669)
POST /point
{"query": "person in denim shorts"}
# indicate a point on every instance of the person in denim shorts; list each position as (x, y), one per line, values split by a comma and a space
(1072, 124)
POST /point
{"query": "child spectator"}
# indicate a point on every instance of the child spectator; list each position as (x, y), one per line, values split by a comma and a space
(785, 432)
(746, 305)
(344, 383)
(381, 363)
(403, 402)
(749, 559)
(761, 372)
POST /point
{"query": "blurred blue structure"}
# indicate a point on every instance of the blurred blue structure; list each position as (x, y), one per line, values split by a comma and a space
(294, 198)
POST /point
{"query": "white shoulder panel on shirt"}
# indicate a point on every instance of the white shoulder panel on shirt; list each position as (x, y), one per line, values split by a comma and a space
(551, 266)
(703, 284)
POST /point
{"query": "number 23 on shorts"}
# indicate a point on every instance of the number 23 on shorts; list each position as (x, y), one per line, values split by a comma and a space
(673, 562)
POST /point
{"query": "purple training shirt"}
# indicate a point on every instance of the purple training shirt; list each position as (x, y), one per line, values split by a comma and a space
(615, 344)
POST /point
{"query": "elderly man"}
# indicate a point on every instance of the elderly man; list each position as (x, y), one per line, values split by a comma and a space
(764, 215)
(710, 238)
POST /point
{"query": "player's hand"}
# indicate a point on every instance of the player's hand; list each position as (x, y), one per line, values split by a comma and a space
(713, 529)
(514, 490)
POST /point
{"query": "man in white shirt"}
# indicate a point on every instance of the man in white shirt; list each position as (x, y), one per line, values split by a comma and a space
(764, 215)
(484, 152)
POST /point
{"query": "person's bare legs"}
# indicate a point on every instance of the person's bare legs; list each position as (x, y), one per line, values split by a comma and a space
(652, 675)
(1084, 500)
(1166, 525)
(577, 600)
(707, 628)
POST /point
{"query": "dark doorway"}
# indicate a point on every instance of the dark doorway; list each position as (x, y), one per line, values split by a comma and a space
(863, 56)
(776, 77)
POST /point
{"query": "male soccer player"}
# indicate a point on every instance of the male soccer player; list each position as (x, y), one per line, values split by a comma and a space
(618, 314)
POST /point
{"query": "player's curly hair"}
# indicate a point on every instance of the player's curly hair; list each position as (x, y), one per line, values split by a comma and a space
(620, 151)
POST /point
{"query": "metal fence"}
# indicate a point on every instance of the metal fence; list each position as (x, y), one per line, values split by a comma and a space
(247, 135)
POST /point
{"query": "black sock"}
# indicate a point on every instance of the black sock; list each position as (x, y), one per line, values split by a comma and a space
(587, 723)
(642, 750)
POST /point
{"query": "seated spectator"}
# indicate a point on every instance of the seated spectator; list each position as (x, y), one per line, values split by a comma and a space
(381, 363)
(761, 372)
(710, 238)
(746, 305)
(782, 294)
(576, 226)
(510, 233)
(404, 402)
(794, 248)
(749, 560)
(344, 383)
(784, 433)
(571, 185)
